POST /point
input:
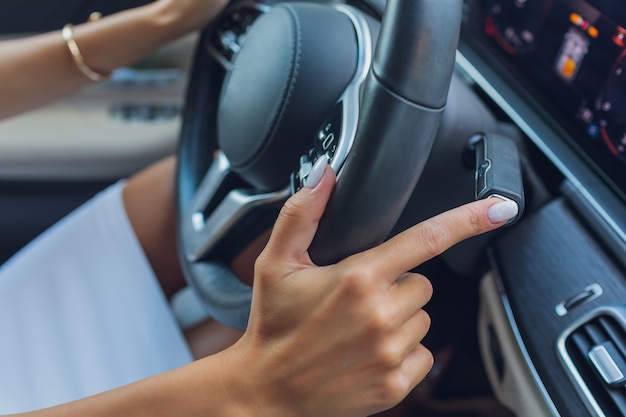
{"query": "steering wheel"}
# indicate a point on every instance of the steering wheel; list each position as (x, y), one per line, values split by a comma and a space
(275, 86)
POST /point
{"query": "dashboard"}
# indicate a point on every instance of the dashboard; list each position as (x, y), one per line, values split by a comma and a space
(570, 55)
(555, 69)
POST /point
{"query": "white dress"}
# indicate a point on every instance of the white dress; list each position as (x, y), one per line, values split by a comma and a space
(81, 311)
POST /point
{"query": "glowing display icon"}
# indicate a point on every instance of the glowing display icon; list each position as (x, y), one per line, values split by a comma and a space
(573, 51)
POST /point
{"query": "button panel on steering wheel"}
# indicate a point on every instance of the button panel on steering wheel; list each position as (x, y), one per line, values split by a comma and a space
(327, 141)
(336, 135)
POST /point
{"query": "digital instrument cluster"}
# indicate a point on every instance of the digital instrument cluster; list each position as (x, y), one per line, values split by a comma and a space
(571, 55)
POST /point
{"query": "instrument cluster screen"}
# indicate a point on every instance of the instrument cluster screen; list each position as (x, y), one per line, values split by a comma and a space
(571, 55)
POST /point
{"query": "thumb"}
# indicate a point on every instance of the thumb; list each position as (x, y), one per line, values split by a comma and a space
(300, 215)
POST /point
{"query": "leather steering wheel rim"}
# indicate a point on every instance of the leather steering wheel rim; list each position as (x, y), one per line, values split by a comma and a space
(400, 105)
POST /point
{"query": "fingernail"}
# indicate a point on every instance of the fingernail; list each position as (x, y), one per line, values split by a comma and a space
(317, 172)
(506, 210)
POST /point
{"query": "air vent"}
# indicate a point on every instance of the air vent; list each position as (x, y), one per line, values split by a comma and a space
(597, 351)
(145, 112)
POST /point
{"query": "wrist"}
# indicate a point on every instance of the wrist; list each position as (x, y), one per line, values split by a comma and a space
(239, 384)
(179, 17)
(250, 387)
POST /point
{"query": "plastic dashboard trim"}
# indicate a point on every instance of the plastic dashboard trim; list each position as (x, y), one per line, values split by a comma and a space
(506, 305)
(581, 176)
(583, 180)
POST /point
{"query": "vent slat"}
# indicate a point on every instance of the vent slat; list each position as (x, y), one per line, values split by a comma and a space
(597, 331)
(582, 341)
(619, 396)
(615, 333)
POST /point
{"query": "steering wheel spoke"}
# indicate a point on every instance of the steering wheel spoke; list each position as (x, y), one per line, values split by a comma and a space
(218, 209)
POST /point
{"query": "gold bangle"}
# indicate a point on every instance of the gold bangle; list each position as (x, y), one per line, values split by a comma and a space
(77, 57)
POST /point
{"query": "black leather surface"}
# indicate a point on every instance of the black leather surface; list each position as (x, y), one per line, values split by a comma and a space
(378, 177)
(294, 66)
(397, 127)
(409, 58)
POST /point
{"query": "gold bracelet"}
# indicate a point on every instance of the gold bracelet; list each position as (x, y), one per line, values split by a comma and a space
(77, 57)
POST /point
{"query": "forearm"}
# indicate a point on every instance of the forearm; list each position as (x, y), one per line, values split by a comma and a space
(38, 69)
(195, 390)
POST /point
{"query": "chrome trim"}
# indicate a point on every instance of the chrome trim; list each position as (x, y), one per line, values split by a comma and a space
(605, 364)
(203, 233)
(597, 290)
(474, 74)
(520, 342)
(618, 314)
(351, 97)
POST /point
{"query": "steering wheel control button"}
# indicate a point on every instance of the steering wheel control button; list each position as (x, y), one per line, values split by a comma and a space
(305, 168)
(302, 176)
(230, 42)
(329, 136)
(317, 172)
(227, 38)
(609, 363)
(325, 146)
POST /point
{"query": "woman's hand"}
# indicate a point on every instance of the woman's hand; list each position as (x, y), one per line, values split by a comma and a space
(41, 68)
(190, 15)
(342, 340)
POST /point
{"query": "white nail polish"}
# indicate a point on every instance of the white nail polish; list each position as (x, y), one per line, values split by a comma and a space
(317, 172)
(506, 210)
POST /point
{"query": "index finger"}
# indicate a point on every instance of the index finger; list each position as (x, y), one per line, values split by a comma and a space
(432, 237)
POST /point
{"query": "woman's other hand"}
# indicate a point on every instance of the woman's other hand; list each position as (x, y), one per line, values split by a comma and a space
(190, 15)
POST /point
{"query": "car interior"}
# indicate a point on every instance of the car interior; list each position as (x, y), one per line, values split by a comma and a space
(57, 156)
(513, 98)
